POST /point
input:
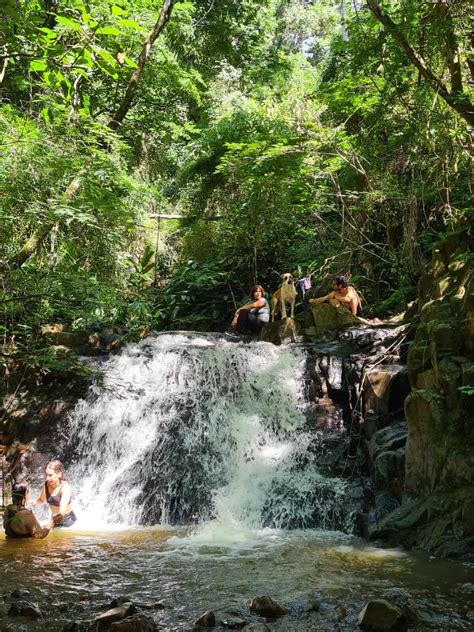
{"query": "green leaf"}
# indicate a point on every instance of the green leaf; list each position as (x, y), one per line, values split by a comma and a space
(116, 10)
(38, 65)
(129, 62)
(131, 24)
(108, 30)
(106, 56)
(72, 24)
(48, 32)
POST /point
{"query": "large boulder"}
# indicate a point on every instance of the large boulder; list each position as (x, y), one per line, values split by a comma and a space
(442, 523)
(332, 319)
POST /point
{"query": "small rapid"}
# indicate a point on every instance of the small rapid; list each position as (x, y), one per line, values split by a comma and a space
(193, 429)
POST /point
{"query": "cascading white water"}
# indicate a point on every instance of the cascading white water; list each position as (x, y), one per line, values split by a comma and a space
(188, 427)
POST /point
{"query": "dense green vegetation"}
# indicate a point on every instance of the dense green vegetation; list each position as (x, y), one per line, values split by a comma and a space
(313, 136)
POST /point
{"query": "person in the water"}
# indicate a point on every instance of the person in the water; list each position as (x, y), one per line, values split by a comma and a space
(20, 522)
(57, 493)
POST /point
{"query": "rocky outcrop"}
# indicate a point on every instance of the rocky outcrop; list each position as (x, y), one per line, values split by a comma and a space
(437, 508)
(323, 319)
(81, 342)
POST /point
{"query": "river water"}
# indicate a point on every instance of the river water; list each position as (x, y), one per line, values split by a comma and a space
(73, 576)
(200, 484)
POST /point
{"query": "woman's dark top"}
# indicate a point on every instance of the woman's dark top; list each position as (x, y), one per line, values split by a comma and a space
(53, 500)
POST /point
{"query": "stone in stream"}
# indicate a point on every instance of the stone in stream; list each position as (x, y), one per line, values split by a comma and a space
(379, 615)
(118, 601)
(74, 626)
(401, 598)
(25, 609)
(116, 614)
(137, 623)
(19, 593)
(233, 622)
(206, 620)
(266, 607)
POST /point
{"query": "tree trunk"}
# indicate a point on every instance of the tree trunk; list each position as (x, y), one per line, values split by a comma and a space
(343, 16)
(127, 100)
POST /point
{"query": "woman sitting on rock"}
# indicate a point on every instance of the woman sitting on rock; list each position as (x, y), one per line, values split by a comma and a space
(57, 493)
(20, 522)
(254, 315)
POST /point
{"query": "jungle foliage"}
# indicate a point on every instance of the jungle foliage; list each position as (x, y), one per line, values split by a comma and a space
(324, 137)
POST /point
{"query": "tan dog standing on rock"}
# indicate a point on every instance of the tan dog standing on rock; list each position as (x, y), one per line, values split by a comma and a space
(285, 295)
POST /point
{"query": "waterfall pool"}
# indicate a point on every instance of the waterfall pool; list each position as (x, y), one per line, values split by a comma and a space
(190, 429)
(73, 576)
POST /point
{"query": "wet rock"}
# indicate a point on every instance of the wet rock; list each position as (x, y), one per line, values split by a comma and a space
(119, 601)
(137, 623)
(206, 620)
(385, 503)
(116, 614)
(75, 626)
(433, 523)
(389, 470)
(402, 599)
(234, 623)
(385, 388)
(286, 330)
(25, 609)
(379, 615)
(266, 607)
(19, 593)
(388, 439)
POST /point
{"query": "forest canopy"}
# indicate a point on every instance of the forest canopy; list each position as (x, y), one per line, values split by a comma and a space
(158, 158)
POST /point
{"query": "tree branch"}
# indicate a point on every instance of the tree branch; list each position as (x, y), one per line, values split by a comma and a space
(458, 101)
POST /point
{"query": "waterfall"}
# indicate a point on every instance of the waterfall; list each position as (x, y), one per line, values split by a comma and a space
(186, 428)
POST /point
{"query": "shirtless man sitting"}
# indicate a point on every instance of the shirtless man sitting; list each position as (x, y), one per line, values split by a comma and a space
(20, 522)
(342, 294)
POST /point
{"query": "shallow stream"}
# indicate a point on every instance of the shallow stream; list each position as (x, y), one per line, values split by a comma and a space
(73, 576)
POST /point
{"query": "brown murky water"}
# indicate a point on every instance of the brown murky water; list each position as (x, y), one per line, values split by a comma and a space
(73, 576)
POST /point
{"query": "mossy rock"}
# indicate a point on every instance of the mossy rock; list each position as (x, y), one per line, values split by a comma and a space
(436, 310)
(419, 360)
(331, 319)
